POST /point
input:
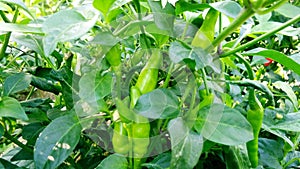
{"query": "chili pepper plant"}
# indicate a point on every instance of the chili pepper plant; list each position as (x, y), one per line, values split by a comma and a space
(157, 84)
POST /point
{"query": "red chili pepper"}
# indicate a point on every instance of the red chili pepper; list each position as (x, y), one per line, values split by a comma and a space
(268, 62)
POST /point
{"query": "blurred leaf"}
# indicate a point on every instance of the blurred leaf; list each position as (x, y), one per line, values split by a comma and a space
(270, 153)
(63, 26)
(158, 104)
(57, 141)
(292, 158)
(288, 10)
(186, 145)
(16, 83)
(113, 161)
(263, 18)
(162, 161)
(11, 27)
(32, 130)
(10, 107)
(94, 86)
(182, 6)
(32, 42)
(103, 5)
(229, 8)
(163, 17)
(277, 56)
(179, 52)
(105, 39)
(290, 122)
(46, 85)
(20, 4)
(224, 125)
(236, 157)
(289, 91)
(22, 155)
(267, 26)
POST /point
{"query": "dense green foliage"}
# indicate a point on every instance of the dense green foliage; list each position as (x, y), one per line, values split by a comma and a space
(157, 84)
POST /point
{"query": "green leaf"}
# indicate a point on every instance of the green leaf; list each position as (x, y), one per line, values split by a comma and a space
(267, 26)
(270, 153)
(162, 161)
(290, 122)
(56, 142)
(289, 91)
(64, 26)
(105, 39)
(236, 157)
(16, 83)
(277, 56)
(20, 4)
(224, 125)
(94, 86)
(114, 161)
(288, 10)
(22, 28)
(103, 5)
(229, 8)
(179, 52)
(10, 107)
(186, 145)
(163, 17)
(32, 42)
(182, 6)
(158, 104)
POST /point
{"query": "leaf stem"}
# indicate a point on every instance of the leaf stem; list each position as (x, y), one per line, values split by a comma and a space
(264, 36)
(17, 142)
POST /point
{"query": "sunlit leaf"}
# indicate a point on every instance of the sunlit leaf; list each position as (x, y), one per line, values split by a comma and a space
(56, 142)
(158, 104)
(222, 124)
(10, 107)
(16, 83)
(186, 145)
(114, 161)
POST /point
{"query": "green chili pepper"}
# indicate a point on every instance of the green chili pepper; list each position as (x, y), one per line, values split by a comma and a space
(120, 139)
(140, 128)
(206, 33)
(255, 116)
(147, 79)
(140, 133)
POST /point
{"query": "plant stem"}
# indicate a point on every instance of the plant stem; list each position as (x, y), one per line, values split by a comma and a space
(7, 36)
(166, 83)
(205, 80)
(244, 15)
(17, 142)
(3, 16)
(264, 36)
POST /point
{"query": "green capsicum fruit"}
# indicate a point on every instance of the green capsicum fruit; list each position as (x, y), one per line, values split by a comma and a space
(255, 117)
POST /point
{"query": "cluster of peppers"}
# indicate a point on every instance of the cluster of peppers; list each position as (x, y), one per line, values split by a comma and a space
(131, 137)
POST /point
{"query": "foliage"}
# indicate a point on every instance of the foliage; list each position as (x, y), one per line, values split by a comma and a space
(173, 81)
